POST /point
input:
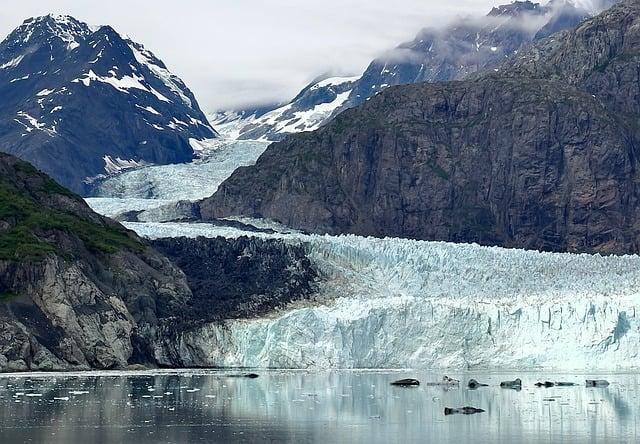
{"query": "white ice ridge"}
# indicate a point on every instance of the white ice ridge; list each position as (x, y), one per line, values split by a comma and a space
(394, 303)
(123, 84)
(113, 166)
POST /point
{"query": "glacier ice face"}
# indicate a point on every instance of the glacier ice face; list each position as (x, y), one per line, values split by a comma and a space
(112, 207)
(395, 303)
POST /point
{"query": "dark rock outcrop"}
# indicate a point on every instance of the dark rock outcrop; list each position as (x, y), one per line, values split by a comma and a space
(462, 411)
(241, 278)
(80, 102)
(473, 384)
(409, 382)
(541, 155)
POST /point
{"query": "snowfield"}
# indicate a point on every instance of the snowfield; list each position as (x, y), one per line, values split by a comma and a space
(312, 108)
(395, 303)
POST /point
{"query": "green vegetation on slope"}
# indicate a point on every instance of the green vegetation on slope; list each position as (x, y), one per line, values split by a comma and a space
(33, 226)
(7, 296)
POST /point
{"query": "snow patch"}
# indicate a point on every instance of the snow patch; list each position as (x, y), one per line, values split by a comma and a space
(19, 79)
(45, 92)
(123, 84)
(146, 58)
(149, 109)
(12, 63)
(30, 124)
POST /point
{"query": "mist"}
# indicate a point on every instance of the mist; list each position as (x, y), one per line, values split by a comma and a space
(236, 53)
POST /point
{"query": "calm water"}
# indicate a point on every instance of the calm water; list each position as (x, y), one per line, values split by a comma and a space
(304, 407)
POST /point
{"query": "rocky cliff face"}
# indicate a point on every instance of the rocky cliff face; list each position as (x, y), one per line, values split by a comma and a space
(55, 68)
(599, 57)
(541, 155)
(79, 291)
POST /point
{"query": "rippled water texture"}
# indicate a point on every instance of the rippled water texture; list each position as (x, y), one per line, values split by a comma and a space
(296, 406)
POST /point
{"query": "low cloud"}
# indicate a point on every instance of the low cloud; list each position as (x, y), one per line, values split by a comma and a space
(234, 53)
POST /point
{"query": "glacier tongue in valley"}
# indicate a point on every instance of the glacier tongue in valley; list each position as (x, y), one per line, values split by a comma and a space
(393, 303)
(150, 188)
(190, 181)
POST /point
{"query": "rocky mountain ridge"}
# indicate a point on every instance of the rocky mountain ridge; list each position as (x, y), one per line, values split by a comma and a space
(453, 52)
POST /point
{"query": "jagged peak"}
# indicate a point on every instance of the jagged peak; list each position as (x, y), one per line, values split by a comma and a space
(64, 27)
(515, 8)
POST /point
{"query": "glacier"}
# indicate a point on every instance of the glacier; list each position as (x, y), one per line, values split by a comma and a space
(397, 303)
(153, 187)
(189, 181)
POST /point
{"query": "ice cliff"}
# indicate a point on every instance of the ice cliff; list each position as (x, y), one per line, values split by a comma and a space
(392, 303)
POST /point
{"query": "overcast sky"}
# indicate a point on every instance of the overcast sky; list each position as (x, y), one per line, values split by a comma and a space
(235, 52)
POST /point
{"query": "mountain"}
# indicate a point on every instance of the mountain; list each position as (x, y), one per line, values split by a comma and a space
(80, 102)
(307, 111)
(76, 289)
(79, 291)
(452, 52)
(541, 154)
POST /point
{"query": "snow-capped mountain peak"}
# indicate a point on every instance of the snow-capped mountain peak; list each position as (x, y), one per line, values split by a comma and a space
(54, 69)
(453, 52)
(65, 28)
(312, 107)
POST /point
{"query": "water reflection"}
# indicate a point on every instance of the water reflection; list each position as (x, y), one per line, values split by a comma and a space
(310, 407)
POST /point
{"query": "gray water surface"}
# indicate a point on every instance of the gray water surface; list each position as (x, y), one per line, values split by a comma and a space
(301, 407)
